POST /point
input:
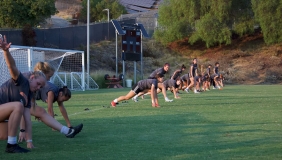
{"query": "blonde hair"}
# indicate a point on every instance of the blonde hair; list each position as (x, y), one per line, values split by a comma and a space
(44, 67)
(36, 75)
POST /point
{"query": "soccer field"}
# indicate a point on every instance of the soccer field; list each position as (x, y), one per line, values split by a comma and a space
(238, 122)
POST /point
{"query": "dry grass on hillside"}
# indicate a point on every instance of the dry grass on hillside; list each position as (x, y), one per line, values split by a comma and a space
(248, 60)
(67, 8)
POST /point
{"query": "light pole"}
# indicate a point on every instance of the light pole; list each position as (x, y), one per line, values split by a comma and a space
(88, 41)
(108, 10)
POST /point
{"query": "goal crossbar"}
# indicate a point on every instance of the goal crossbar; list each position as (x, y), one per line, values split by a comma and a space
(69, 65)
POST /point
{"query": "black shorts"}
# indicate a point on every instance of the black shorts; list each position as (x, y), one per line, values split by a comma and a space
(135, 88)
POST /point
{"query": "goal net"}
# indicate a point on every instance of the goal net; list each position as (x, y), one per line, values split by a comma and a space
(69, 66)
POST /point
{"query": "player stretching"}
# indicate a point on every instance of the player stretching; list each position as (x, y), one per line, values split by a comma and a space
(15, 101)
(143, 86)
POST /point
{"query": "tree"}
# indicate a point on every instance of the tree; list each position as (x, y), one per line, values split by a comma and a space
(212, 31)
(28, 36)
(174, 21)
(19, 13)
(96, 10)
(211, 21)
(268, 14)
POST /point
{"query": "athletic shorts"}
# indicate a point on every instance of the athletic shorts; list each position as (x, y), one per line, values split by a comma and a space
(135, 88)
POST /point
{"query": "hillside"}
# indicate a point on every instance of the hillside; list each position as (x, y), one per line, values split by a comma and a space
(246, 61)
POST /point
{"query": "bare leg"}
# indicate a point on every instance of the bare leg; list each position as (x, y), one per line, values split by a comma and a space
(3, 130)
(184, 85)
(12, 111)
(45, 118)
(140, 94)
(126, 97)
(191, 82)
(216, 82)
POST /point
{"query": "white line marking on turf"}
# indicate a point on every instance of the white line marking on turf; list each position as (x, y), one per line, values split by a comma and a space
(61, 117)
(86, 111)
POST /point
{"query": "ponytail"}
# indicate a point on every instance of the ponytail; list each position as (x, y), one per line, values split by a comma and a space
(66, 92)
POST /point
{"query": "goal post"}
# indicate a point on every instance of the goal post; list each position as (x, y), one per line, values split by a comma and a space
(69, 66)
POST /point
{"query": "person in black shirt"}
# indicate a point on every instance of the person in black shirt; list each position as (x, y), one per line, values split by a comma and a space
(143, 86)
(163, 70)
(171, 84)
(215, 76)
(176, 74)
(15, 100)
(197, 82)
(185, 82)
(193, 74)
(205, 82)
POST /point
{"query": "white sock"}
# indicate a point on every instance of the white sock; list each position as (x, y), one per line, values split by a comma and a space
(64, 130)
(135, 97)
(12, 140)
(115, 101)
(146, 94)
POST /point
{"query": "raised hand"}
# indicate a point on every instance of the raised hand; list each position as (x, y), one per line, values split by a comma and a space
(3, 43)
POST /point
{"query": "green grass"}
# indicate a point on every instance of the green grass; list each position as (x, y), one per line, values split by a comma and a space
(239, 122)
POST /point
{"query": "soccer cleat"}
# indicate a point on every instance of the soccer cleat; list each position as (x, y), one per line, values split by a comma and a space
(134, 99)
(113, 104)
(74, 131)
(168, 100)
(15, 148)
(214, 88)
(196, 91)
(187, 90)
(156, 105)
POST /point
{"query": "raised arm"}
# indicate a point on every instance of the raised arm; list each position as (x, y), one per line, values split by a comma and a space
(14, 72)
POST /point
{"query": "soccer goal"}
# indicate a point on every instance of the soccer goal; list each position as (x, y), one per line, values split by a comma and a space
(69, 66)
